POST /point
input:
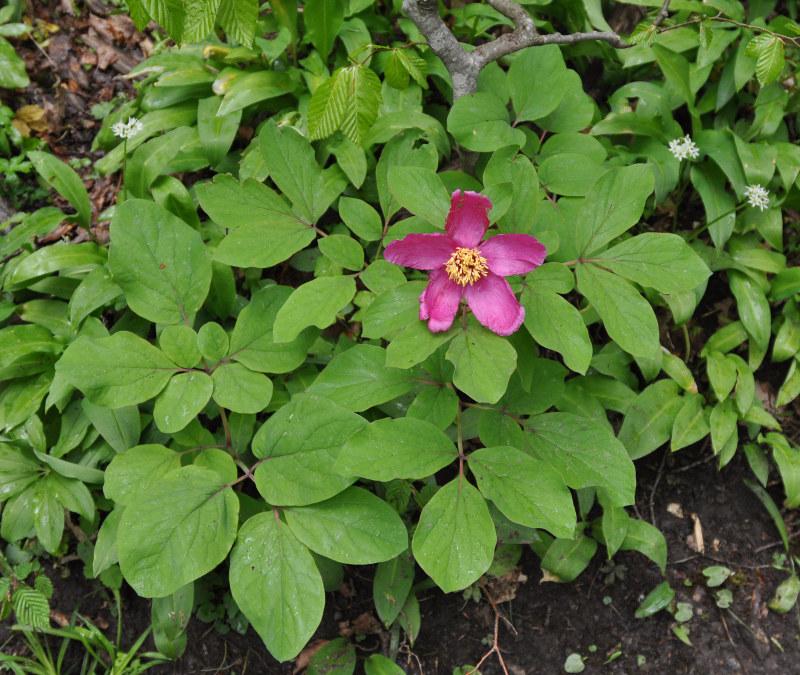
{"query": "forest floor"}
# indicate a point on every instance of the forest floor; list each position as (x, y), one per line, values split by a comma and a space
(708, 517)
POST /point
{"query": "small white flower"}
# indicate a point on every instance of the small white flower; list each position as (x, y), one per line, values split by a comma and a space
(757, 196)
(684, 148)
(127, 129)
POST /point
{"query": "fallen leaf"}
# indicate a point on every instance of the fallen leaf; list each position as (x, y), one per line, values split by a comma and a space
(307, 654)
(33, 117)
(505, 588)
(695, 540)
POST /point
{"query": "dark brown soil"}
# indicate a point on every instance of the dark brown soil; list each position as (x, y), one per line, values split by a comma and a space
(546, 621)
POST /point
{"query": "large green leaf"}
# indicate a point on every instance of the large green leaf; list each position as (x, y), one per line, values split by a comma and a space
(648, 422)
(353, 527)
(627, 316)
(177, 531)
(18, 469)
(168, 14)
(240, 389)
(527, 490)
(396, 448)
(300, 444)
(12, 67)
(348, 100)
(116, 371)
(613, 205)
(64, 179)
(585, 453)
(238, 19)
(752, 305)
(133, 472)
(455, 538)
(323, 19)
(479, 122)
(159, 261)
(276, 585)
(658, 260)
(536, 80)
(315, 303)
(483, 361)
(182, 400)
(421, 191)
(199, 20)
(359, 379)
(252, 342)
(49, 259)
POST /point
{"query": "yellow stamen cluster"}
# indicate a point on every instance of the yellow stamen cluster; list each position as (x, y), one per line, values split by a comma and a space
(466, 266)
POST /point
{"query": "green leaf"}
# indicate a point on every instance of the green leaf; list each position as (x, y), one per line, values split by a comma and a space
(396, 448)
(627, 316)
(159, 261)
(216, 131)
(96, 290)
(690, 425)
(656, 600)
(301, 442)
(48, 515)
(359, 379)
(649, 421)
(658, 260)
(416, 343)
(483, 361)
(182, 400)
(239, 389)
(177, 531)
(64, 179)
(479, 122)
(719, 204)
(787, 457)
(527, 490)
(353, 527)
(26, 349)
(252, 342)
(585, 453)
(393, 310)
(291, 163)
(120, 427)
(567, 558)
(170, 618)
(168, 14)
(343, 250)
(132, 473)
(556, 324)
(12, 67)
(770, 59)
(536, 80)
(18, 470)
(323, 20)
(613, 205)
(377, 664)
(253, 88)
(361, 218)
(238, 19)
(421, 191)
(315, 303)
(455, 538)
(613, 528)
(179, 343)
(752, 305)
(199, 20)
(276, 584)
(676, 70)
(648, 540)
(31, 608)
(338, 657)
(785, 595)
(393, 581)
(348, 100)
(105, 548)
(115, 371)
(50, 259)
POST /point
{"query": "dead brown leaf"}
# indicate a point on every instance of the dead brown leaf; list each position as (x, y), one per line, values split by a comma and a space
(307, 654)
(505, 588)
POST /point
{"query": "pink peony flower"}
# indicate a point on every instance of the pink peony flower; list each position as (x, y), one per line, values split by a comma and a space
(464, 266)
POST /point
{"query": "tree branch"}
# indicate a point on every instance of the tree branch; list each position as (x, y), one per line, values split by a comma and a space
(464, 67)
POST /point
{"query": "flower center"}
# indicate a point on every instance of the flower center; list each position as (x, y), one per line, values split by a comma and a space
(466, 266)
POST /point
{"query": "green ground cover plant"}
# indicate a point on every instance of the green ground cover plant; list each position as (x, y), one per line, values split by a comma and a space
(269, 387)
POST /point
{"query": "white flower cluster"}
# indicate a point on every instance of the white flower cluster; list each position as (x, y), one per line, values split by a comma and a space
(757, 196)
(684, 148)
(127, 129)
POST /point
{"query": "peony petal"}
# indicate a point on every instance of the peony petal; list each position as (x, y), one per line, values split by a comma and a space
(468, 219)
(494, 305)
(420, 251)
(439, 301)
(513, 253)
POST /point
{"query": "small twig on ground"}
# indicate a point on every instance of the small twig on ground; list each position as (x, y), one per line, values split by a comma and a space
(655, 485)
(495, 647)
